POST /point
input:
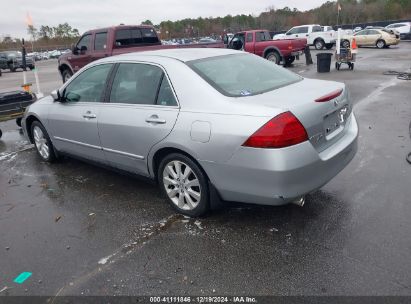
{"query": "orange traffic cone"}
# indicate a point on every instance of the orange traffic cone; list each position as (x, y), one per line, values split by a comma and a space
(354, 44)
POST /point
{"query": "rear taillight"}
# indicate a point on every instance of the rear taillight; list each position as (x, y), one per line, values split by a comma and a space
(282, 131)
(330, 96)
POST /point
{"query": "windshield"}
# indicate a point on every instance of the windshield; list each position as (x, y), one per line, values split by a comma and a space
(242, 74)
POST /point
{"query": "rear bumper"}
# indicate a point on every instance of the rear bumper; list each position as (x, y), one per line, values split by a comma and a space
(278, 176)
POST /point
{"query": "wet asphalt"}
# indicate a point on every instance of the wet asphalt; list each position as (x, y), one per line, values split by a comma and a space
(85, 230)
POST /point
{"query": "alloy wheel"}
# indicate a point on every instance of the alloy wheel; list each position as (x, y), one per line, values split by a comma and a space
(182, 185)
(41, 143)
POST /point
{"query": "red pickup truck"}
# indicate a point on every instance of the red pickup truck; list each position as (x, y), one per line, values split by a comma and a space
(259, 42)
(104, 42)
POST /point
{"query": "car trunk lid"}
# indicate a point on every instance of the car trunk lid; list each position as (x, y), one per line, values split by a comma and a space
(324, 120)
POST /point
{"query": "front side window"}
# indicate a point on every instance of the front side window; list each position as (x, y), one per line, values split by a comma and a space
(293, 31)
(249, 37)
(303, 30)
(100, 41)
(242, 74)
(89, 85)
(136, 83)
(84, 42)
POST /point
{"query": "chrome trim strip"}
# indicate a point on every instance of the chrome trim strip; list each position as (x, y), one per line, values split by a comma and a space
(123, 153)
(77, 143)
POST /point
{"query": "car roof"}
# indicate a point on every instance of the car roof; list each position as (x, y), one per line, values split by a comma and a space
(180, 54)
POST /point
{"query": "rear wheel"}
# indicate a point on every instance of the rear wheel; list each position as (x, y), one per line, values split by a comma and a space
(273, 57)
(329, 46)
(380, 44)
(319, 44)
(42, 142)
(184, 184)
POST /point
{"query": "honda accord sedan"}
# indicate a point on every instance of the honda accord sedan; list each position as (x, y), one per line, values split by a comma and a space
(201, 121)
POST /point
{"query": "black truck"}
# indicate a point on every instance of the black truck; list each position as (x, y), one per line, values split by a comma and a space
(12, 60)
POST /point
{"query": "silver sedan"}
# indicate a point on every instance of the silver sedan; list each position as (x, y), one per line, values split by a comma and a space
(203, 123)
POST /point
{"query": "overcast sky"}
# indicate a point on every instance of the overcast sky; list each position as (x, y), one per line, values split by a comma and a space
(88, 14)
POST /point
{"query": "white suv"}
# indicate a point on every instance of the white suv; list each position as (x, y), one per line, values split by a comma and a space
(404, 28)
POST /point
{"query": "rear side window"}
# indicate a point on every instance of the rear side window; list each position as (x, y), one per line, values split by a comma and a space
(262, 36)
(136, 83)
(100, 41)
(318, 29)
(242, 74)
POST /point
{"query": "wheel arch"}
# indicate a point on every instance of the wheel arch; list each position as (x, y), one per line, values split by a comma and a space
(273, 49)
(28, 122)
(64, 66)
(161, 152)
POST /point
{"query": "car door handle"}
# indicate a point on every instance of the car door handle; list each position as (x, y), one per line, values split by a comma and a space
(154, 119)
(89, 115)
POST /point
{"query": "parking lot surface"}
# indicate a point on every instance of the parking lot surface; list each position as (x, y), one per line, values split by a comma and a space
(84, 230)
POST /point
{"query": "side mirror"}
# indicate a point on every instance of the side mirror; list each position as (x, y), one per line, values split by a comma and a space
(74, 49)
(56, 95)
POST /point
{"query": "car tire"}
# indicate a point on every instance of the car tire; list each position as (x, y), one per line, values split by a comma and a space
(380, 44)
(289, 60)
(66, 75)
(187, 194)
(345, 44)
(42, 142)
(18, 122)
(329, 46)
(319, 44)
(273, 56)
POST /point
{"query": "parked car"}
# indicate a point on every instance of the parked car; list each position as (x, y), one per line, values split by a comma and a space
(55, 54)
(13, 60)
(380, 38)
(105, 42)
(403, 28)
(203, 123)
(314, 33)
(357, 29)
(259, 42)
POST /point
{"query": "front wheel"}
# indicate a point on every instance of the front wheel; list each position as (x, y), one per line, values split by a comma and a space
(273, 57)
(42, 142)
(66, 75)
(184, 184)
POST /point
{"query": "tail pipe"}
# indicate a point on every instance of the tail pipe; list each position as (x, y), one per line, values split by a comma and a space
(299, 201)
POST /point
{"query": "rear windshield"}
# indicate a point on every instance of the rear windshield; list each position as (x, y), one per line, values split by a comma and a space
(135, 36)
(242, 74)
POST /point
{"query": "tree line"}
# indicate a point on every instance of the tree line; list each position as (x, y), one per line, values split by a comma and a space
(352, 11)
